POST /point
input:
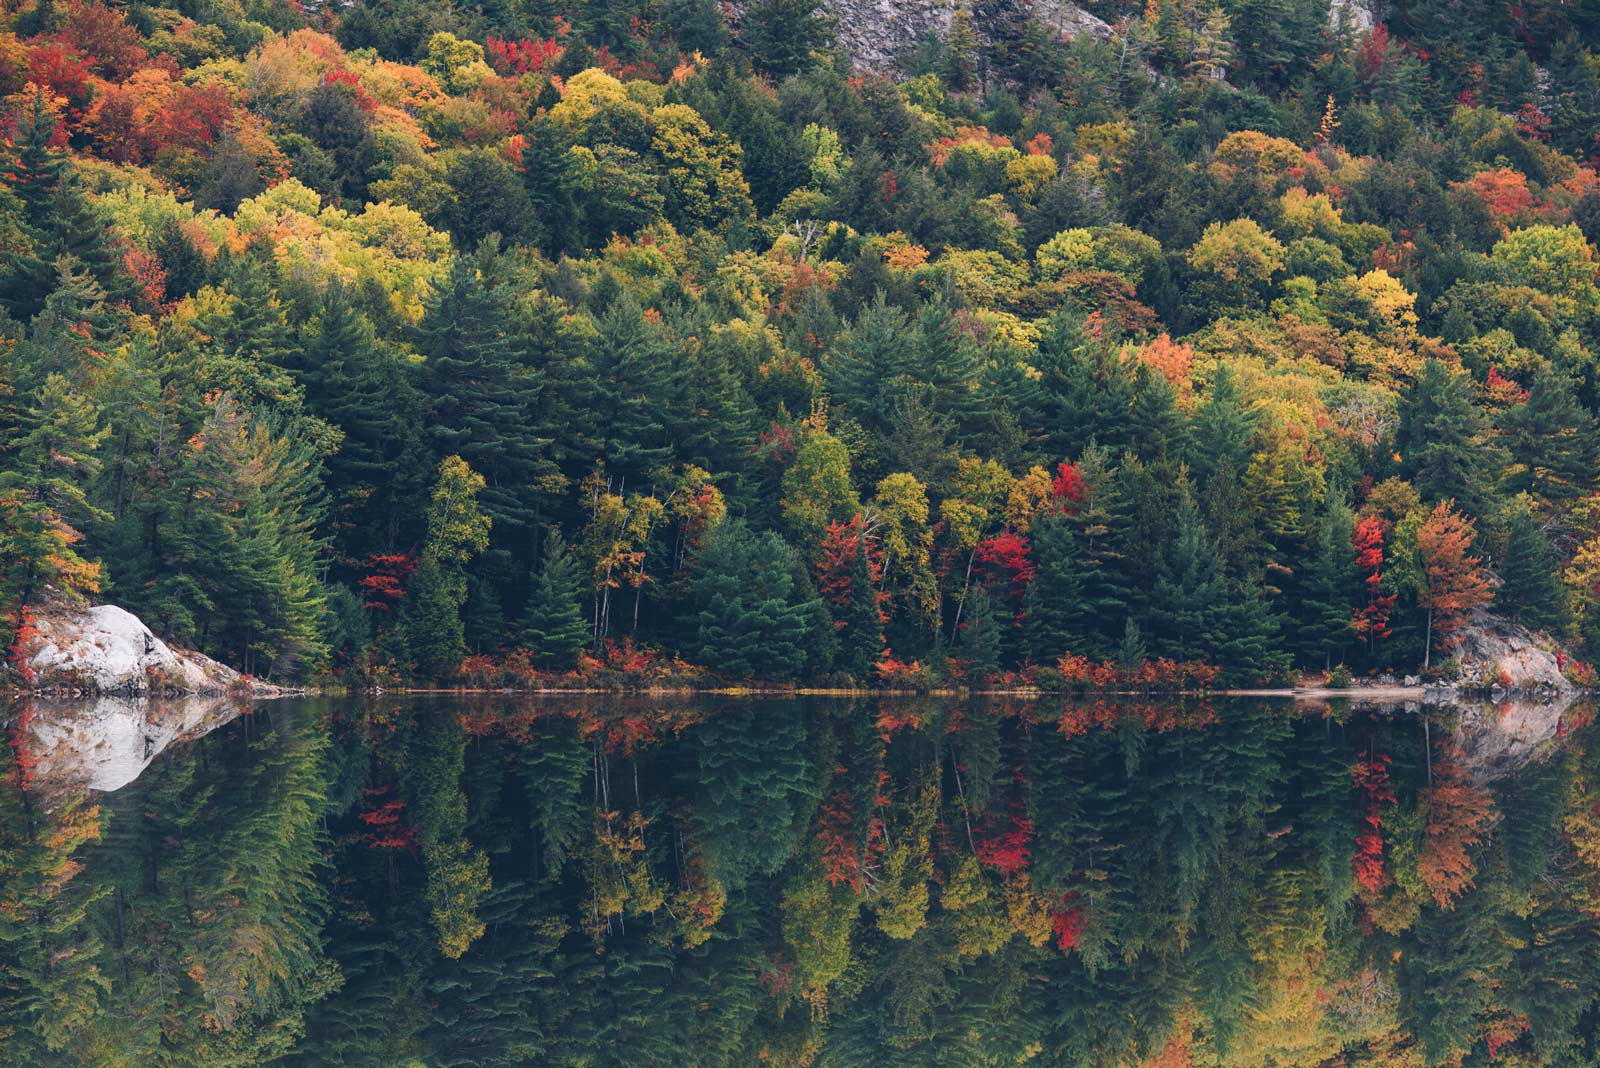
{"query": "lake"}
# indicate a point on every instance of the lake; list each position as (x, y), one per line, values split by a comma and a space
(717, 881)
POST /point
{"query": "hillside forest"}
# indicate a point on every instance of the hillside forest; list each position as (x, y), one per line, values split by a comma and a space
(650, 339)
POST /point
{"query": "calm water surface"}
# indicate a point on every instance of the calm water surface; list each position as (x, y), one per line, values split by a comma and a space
(745, 882)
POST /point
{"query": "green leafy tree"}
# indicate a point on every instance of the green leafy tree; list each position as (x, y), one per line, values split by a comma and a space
(458, 530)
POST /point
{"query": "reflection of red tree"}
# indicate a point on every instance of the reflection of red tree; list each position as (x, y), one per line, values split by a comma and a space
(1068, 922)
(385, 821)
(1371, 775)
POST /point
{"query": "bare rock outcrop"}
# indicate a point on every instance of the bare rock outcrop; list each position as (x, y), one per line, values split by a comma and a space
(875, 33)
(1496, 653)
(108, 650)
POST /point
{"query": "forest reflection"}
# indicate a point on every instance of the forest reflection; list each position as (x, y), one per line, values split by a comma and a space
(716, 881)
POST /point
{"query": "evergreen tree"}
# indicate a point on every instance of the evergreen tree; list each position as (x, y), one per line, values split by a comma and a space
(979, 641)
(753, 620)
(44, 501)
(553, 625)
(1325, 594)
(1440, 440)
(482, 396)
(1553, 440)
(1190, 591)
(1531, 590)
(1052, 612)
(356, 385)
(1224, 430)
(780, 35)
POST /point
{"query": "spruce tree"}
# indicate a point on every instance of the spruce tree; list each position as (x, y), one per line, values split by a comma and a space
(1190, 590)
(553, 626)
(1053, 620)
(979, 641)
(1441, 440)
(1553, 440)
(753, 620)
(483, 398)
(1325, 595)
(1531, 591)
(1224, 430)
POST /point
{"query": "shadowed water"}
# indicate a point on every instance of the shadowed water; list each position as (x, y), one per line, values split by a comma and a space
(724, 881)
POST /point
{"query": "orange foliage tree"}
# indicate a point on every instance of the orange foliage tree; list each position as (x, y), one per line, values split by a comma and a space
(1453, 580)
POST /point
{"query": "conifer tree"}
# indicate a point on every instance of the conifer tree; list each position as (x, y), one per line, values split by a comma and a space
(482, 398)
(1440, 439)
(1325, 595)
(979, 641)
(1531, 590)
(1189, 590)
(753, 619)
(1053, 620)
(1224, 430)
(553, 626)
(44, 501)
(1553, 440)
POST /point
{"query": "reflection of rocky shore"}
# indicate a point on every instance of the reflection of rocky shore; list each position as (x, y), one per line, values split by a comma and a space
(105, 743)
(1497, 738)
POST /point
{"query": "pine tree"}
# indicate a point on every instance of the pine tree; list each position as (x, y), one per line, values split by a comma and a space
(1189, 591)
(1531, 591)
(753, 619)
(1440, 440)
(482, 398)
(44, 501)
(638, 391)
(1553, 440)
(960, 67)
(979, 641)
(1052, 613)
(780, 35)
(553, 625)
(1248, 636)
(358, 386)
(1325, 593)
(1224, 430)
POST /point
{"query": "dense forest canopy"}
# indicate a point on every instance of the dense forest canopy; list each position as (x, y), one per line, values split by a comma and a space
(1241, 338)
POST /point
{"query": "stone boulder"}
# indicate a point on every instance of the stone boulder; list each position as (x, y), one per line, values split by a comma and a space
(108, 650)
(1494, 652)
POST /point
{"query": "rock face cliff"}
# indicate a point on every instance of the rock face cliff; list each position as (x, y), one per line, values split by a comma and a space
(108, 650)
(876, 32)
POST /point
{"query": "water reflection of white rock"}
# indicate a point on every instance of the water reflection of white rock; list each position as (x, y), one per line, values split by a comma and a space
(1498, 738)
(105, 743)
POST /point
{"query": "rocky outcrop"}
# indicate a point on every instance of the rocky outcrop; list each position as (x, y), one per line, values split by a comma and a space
(1351, 17)
(1496, 653)
(108, 650)
(874, 33)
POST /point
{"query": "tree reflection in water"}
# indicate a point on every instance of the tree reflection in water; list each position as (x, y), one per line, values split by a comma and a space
(715, 881)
